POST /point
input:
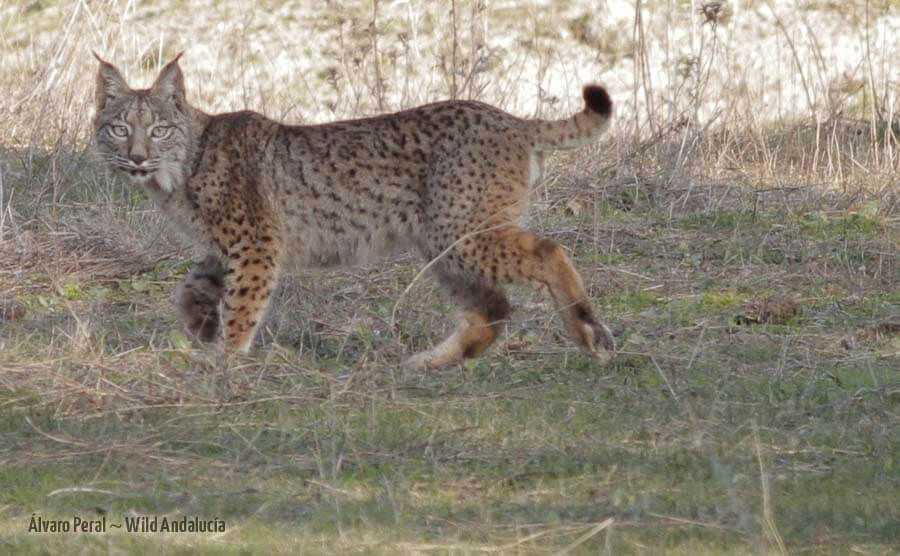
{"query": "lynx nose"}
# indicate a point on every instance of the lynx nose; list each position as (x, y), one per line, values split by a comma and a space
(137, 158)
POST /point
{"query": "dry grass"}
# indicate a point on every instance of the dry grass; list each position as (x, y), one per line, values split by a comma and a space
(739, 228)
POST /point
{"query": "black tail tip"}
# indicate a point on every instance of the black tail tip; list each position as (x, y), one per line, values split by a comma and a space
(597, 100)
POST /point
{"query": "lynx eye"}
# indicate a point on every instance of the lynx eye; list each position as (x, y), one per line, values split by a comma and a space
(160, 131)
(118, 130)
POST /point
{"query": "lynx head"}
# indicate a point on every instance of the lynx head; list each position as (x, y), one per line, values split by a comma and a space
(145, 133)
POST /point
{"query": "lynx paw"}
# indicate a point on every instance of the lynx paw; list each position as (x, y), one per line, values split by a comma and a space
(418, 362)
(598, 341)
(198, 297)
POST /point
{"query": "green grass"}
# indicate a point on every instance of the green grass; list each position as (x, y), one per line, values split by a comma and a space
(720, 220)
(319, 444)
(470, 459)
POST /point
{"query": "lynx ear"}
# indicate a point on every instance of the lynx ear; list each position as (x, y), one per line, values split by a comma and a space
(170, 83)
(110, 84)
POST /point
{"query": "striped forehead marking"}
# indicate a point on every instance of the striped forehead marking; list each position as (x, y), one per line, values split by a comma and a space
(139, 111)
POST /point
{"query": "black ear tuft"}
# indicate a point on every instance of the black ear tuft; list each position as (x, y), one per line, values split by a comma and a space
(597, 100)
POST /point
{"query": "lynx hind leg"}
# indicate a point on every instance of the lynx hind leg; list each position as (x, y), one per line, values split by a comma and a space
(197, 299)
(516, 255)
(483, 310)
(542, 262)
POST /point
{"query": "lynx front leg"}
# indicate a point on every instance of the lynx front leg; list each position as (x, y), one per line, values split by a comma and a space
(197, 299)
(249, 280)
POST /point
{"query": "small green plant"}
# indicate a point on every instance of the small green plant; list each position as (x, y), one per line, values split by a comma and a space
(863, 224)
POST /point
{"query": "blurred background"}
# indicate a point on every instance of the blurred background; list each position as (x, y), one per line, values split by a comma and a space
(699, 66)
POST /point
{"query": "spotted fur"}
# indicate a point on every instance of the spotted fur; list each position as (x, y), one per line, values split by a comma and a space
(450, 179)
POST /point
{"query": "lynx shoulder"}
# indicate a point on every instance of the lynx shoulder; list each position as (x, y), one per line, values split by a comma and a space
(256, 196)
